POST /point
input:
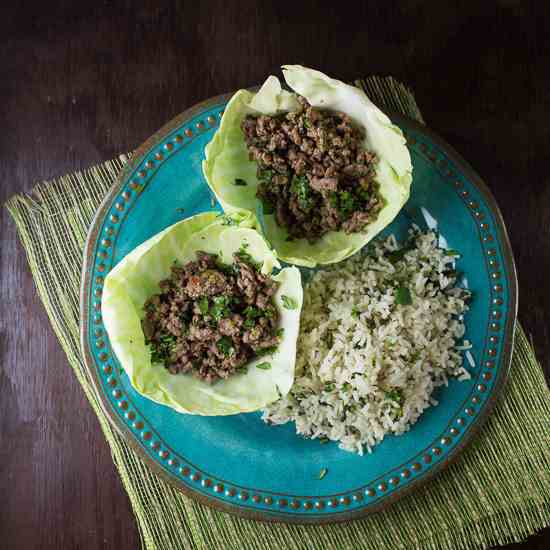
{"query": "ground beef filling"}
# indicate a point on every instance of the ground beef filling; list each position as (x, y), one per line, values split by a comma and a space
(314, 173)
(210, 319)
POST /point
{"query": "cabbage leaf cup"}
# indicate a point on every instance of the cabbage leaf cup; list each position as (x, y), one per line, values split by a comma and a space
(227, 160)
(137, 277)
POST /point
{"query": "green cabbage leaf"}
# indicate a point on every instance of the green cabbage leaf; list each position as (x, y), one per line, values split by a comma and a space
(137, 277)
(226, 160)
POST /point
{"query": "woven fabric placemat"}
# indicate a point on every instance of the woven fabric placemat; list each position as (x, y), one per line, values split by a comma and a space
(497, 492)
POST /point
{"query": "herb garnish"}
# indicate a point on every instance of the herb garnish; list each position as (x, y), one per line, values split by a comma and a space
(288, 302)
(161, 350)
(403, 296)
(224, 344)
(266, 351)
(347, 203)
(251, 313)
(249, 322)
(300, 187)
(220, 309)
(396, 395)
(243, 255)
(203, 305)
(265, 176)
(323, 473)
(239, 182)
(264, 366)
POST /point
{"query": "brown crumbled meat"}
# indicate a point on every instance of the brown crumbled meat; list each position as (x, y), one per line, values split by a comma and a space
(314, 173)
(210, 319)
(207, 283)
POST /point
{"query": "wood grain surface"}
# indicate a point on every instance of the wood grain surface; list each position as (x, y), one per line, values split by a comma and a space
(83, 81)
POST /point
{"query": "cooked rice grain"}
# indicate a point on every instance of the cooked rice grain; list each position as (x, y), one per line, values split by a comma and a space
(367, 362)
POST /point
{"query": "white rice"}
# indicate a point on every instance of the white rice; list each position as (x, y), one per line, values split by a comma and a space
(366, 364)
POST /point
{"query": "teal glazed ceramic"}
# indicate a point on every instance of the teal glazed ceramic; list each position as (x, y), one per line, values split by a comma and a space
(238, 463)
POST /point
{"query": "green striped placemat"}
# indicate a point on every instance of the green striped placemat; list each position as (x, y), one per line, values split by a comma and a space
(497, 492)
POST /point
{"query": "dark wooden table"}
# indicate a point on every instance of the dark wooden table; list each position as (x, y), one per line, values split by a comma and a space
(83, 81)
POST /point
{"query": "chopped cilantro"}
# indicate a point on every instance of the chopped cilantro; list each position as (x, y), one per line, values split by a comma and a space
(363, 193)
(220, 308)
(333, 199)
(161, 350)
(266, 351)
(244, 255)
(300, 187)
(452, 252)
(239, 182)
(225, 345)
(347, 203)
(355, 312)
(203, 305)
(156, 355)
(288, 302)
(280, 332)
(252, 312)
(403, 296)
(168, 340)
(249, 323)
(265, 175)
(396, 395)
(264, 366)
(323, 473)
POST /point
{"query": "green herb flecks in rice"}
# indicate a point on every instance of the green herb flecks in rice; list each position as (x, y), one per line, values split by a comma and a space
(378, 334)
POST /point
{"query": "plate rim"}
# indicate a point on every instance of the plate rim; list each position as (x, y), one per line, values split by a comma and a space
(278, 516)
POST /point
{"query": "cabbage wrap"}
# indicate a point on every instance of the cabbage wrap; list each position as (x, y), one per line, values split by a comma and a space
(137, 277)
(227, 160)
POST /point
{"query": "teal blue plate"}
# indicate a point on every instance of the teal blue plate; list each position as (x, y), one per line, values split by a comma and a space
(240, 464)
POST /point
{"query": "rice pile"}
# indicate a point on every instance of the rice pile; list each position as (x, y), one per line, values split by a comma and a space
(378, 333)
